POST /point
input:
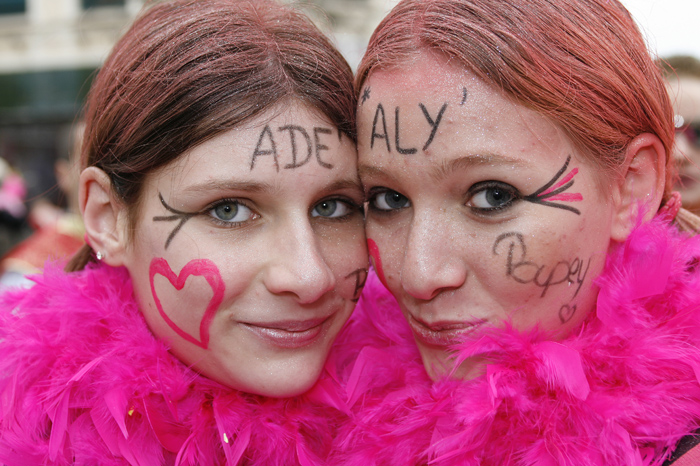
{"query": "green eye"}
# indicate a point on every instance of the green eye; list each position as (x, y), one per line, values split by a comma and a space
(389, 200)
(231, 212)
(492, 196)
(225, 212)
(331, 208)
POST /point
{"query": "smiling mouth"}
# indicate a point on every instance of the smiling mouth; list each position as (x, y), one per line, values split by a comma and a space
(290, 334)
(442, 333)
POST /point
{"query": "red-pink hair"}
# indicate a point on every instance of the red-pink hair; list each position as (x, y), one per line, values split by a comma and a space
(188, 70)
(581, 63)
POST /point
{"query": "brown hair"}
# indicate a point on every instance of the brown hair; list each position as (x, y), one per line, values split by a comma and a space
(582, 64)
(188, 70)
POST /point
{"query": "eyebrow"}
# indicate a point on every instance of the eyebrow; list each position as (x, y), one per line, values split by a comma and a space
(230, 185)
(261, 187)
(447, 168)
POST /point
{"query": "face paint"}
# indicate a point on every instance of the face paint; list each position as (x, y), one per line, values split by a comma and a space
(467, 232)
(249, 275)
(556, 192)
(183, 217)
(360, 277)
(197, 268)
(376, 259)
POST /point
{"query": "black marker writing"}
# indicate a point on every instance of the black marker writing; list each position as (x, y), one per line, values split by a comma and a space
(567, 312)
(365, 94)
(555, 192)
(434, 124)
(292, 130)
(183, 217)
(319, 147)
(360, 280)
(400, 149)
(267, 146)
(525, 271)
(272, 151)
(384, 135)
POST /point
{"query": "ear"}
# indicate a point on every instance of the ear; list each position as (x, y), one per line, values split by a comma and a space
(104, 216)
(639, 189)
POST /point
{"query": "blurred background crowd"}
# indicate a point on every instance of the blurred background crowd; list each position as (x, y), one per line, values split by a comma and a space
(50, 49)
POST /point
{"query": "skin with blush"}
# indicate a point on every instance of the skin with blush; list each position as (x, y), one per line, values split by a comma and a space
(249, 251)
(480, 210)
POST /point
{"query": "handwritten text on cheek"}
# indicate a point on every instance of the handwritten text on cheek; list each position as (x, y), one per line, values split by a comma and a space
(525, 271)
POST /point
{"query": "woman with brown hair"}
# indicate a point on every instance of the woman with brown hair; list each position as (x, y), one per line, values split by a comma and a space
(546, 305)
(226, 250)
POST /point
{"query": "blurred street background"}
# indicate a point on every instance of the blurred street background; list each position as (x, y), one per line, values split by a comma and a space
(50, 49)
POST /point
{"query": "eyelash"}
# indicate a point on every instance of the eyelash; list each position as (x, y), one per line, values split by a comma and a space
(472, 193)
(376, 191)
(207, 212)
(482, 187)
(353, 207)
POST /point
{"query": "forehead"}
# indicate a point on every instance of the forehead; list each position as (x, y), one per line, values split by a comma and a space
(477, 118)
(280, 145)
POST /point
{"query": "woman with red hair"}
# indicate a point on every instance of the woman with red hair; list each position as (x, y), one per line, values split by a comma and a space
(225, 251)
(546, 301)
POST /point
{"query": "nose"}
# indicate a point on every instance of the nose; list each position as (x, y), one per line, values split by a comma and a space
(297, 265)
(432, 263)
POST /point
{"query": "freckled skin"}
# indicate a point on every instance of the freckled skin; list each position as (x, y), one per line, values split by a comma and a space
(437, 249)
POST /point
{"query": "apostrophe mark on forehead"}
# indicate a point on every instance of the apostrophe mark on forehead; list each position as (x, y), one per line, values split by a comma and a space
(465, 93)
(365, 95)
(183, 217)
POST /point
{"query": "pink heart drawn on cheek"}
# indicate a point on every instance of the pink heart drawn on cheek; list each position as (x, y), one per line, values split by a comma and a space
(200, 268)
(376, 258)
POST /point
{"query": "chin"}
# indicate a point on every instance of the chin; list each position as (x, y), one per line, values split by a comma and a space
(282, 387)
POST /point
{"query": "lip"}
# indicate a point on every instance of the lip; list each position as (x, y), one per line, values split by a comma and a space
(442, 333)
(290, 334)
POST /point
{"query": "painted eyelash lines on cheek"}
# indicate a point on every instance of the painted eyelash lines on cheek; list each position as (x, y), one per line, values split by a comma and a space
(183, 217)
(556, 192)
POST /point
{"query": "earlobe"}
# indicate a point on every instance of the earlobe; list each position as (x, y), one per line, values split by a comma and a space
(639, 190)
(103, 215)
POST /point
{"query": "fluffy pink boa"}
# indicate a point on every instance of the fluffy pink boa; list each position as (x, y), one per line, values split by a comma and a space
(621, 391)
(83, 382)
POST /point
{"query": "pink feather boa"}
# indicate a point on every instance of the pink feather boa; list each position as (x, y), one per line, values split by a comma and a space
(84, 382)
(621, 391)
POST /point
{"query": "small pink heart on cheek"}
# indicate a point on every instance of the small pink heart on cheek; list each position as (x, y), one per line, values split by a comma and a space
(201, 268)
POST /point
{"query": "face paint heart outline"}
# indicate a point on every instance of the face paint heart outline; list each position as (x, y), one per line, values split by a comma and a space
(377, 260)
(199, 268)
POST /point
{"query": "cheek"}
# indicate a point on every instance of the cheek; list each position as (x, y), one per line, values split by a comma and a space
(187, 301)
(345, 254)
